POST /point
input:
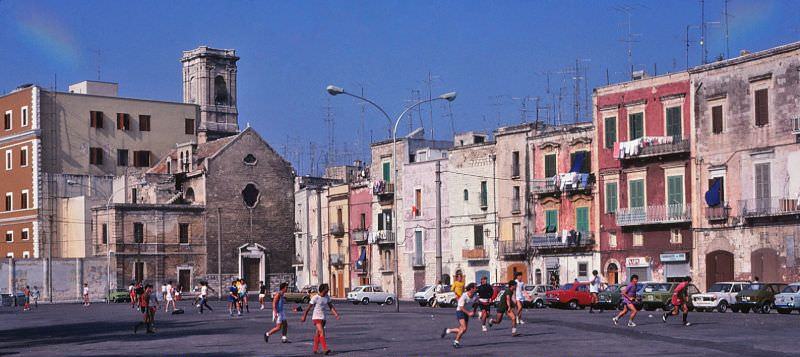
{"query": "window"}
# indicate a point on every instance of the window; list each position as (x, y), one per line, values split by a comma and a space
(673, 123)
(762, 177)
(220, 91)
(417, 202)
(24, 119)
(25, 234)
(138, 271)
(96, 119)
(551, 220)
(10, 255)
(123, 121)
(583, 269)
(675, 236)
(23, 199)
(183, 233)
(387, 171)
(9, 236)
(635, 125)
(582, 219)
(477, 235)
(716, 119)
(96, 156)
(23, 156)
(250, 160)
(611, 197)
(26, 254)
(134, 195)
(762, 107)
(104, 234)
(7, 120)
(363, 221)
(675, 194)
(721, 188)
(188, 126)
(585, 162)
(250, 195)
(484, 195)
(141, 158)
(9, 201)
(612, 240)
(385, 220)
(550, 169)
(636, 193)
(9, 158)
(418, 249)
(466, 195)
(638, 239)
(138, 232)
(122, 157)
(610, 131)
(516, 232)
(144, 123)
(515, 164)
(515, 201)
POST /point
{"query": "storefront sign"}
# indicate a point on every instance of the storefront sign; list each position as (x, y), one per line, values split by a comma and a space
(673, 257)
(637, 262)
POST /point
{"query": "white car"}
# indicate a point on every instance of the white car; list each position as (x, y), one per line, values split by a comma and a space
(366, 294)
(446, 297)
(719, 296)
(425, 296)
(788, 299)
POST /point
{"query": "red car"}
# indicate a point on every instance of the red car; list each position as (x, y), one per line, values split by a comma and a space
(570, 295)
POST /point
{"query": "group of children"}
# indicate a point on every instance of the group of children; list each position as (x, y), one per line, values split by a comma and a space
(237, 297)
(679, 301)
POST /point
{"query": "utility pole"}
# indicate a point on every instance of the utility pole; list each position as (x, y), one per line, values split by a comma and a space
(320, 279)
(219, 251)
(703, 31)
(438, 220)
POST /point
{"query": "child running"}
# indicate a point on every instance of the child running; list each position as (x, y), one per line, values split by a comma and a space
(463, 314)
(506, 307)
(628, 298)
(204, 296)
(318, 304)
(679, 301)
(485, 292)
(519, 296)
(278, 301)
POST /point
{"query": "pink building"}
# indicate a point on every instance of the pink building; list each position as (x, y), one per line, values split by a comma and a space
(360, 201)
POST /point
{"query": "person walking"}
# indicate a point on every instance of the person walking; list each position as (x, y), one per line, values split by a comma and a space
(505, 306)
(26, 292)
(519, 296)
(594, 290)
(278, 315)
(629, 298)
(679, 301)
(319, 303)
(132, 293)
(170, 297)
(86, 295)
(484, 301)
(233, 299)
(463, 314)
(204, 296)
(262, 293)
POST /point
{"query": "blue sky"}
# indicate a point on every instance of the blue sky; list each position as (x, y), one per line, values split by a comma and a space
(494, 53)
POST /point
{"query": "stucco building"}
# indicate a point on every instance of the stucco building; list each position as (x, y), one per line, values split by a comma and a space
(338, 239)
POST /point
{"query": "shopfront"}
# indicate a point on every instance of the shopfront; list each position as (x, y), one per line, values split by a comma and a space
(676, 266)
(640, 266)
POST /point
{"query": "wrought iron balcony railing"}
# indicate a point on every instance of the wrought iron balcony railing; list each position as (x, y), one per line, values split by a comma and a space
(337, 229)
(772, 206)
(657, 214)
(677, 146)
(556, 241)
(385, 237)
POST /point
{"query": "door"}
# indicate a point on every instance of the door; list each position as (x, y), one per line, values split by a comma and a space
(582, 219)
(674, 123)
(252, 273)
(675, 196)
(419, 279)
(340, 285)
(719, 267)
(762, 188)
(138, 272)
(612, 274)
(184, 279)
(764, 265)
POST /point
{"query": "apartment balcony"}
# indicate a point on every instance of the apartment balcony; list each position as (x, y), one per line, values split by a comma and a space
(769, 207)
(719, 213)
(385, 238)
(337, 229)
(337, 260)
(796, 125)
(384, 191)
(544, 186)
(556, 242)
(360, 236)
(475, 255)
(513, 250)
(579, 183)
(660, 214)
(679, 146)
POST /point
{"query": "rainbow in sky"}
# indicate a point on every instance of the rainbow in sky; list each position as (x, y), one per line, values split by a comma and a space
(41, 30)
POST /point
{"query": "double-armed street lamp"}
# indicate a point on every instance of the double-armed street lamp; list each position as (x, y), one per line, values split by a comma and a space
(450, 96)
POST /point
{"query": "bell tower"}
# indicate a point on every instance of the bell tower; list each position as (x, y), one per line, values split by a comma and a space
(209, 80)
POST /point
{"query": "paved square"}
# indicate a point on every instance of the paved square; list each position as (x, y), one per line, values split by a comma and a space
(107, 330)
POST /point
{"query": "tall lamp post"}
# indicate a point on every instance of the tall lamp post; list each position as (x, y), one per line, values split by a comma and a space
(450, 96)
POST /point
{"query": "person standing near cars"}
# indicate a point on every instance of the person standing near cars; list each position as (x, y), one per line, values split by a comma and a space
(438, 289)
(36, 296)
(629, 298)
(594, 290)
(485, 292)
(519, 296)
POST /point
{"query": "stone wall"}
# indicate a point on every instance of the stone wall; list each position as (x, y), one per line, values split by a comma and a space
(67, 275)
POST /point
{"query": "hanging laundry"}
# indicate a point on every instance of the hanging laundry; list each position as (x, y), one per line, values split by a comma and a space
(713, 194)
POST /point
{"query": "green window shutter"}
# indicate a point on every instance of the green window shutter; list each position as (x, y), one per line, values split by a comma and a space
(675, 190)
(674, 123)
(387, 172)
(582, 219)
(635, 125)
(551, 219)
(550, 165)
(636, 192)
(611, 197)
(611, 131)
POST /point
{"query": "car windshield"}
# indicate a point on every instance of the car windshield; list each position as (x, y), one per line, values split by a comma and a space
(653, 288)
(755, 286)
(791, 289)
(424, 289)
(567, 286)
(358, 288)
(719, 288)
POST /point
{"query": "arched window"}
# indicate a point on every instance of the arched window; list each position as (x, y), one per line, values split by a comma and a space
(220, 91)
(466, 195)
(250, 160)
(250, 195)
(189, 196)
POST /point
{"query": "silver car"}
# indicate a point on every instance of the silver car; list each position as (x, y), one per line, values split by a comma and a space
(535, 295)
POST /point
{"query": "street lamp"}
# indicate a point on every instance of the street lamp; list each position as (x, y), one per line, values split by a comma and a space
(450, 96)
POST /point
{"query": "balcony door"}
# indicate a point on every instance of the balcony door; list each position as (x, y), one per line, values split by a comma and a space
(762, 180)
(675, 196)
(673, 123)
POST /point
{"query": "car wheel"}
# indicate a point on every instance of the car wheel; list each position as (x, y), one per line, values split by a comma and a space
(389, 301)
(722, 307)
(734, 309)
(423, 303)
(785, 311)
(765, 308)
(700, 309)
(745, 310)
(453, 302)
(573, 305)
(539, 304)
(365, 301)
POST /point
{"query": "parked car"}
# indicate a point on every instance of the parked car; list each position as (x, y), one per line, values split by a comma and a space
(119, 295)
(366, 294)
(788, 299)
(758, 297)
(719, 296)
(425, 296)
(303, 295)
(536, 295)
(570, 295)
(611, 297)
(446, 297)
(659, 295)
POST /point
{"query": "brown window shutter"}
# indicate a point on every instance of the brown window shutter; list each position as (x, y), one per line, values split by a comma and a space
(92, 119)
(716, 118)
(120, 121)
(762, 107)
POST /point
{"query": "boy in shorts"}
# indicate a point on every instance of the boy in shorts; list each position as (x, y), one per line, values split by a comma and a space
(679, 301)
(463, 314)
(506, 307)
(628, 298)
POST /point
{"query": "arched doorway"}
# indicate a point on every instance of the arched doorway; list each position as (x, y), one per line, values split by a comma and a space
(612, 273)
(764, 265)
(719, 267)
(514, 268)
